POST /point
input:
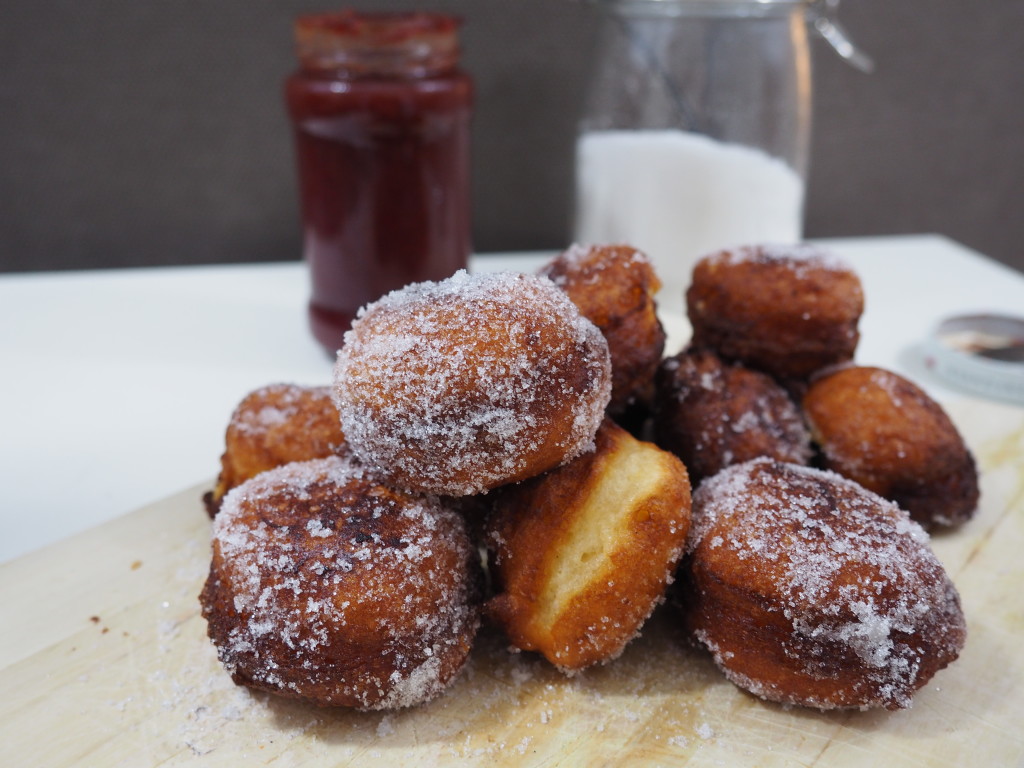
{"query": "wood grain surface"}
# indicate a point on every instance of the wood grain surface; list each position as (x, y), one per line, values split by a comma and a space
(104, 661)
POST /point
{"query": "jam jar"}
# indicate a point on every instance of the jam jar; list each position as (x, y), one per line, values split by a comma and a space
(381, 117)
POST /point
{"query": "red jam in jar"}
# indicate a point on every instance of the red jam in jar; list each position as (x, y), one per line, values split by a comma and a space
(381, 115)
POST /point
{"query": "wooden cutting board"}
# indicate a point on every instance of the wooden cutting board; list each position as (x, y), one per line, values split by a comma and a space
(104, 661)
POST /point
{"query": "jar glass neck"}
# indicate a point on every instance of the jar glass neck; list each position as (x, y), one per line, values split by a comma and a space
(704, 8)
(361, 44)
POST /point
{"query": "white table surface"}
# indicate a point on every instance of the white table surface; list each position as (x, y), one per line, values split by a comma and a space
(117, 385)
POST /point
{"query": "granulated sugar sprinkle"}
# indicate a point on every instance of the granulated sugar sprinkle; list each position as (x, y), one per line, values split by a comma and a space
(843, 565)
(304, 571)
(799, 257)
(453, 387)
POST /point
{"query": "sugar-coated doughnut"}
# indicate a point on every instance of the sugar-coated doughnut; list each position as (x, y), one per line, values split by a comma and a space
(809, 589)
(786, 310)
(614, 287)
(886, 433)
(581, 555)
(275, 425)
(329, 587)
(714, 414)
(462, 385)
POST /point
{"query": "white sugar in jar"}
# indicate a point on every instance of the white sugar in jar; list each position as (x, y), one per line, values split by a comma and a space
(696, 131)
(678, 195)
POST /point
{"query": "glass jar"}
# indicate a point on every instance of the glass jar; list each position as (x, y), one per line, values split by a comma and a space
(381, 116)
(697, 127)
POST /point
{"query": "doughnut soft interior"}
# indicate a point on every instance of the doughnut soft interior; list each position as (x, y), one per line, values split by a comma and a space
(582, 555)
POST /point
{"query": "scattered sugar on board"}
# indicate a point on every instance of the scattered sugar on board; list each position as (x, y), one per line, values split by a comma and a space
(220, 718)
(213, 710)
(254, 707)
(493, 688)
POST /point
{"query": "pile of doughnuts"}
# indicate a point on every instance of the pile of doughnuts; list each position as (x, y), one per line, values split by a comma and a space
(516, 450)
(464, 414)
(768, 321)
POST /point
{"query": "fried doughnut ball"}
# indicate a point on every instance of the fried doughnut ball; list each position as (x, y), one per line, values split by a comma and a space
(787, 311)
(712, 414)
(581, 555)
(614, 287)
(811, 590)
(328, 587)
(885, 433)
(275, 425)
(460, 386)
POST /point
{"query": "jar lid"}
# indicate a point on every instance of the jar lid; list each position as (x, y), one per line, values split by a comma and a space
(821, 15)
(381, 42)
(983, 354)
(705, 3)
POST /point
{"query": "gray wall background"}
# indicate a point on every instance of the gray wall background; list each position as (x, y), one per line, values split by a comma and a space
(154, 133)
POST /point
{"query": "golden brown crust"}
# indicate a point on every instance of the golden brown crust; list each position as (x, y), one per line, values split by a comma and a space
(463, 385)
(614, 286)
(887, 434)
(328, 587)
(581, 555)
(712, 415)
(272, 426)
(786, 311)
(810, 590)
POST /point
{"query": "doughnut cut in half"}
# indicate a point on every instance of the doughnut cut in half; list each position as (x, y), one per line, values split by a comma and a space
(582, 555)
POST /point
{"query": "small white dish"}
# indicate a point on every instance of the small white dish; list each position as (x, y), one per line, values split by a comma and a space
(983, 354)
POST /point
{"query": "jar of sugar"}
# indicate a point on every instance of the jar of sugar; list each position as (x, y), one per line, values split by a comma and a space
(697, 125)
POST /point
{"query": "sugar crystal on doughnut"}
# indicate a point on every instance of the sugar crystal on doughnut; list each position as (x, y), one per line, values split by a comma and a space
(810, 590)
(614, 287)
(799, 257)
(274, 425)
(886, 433)
(329, 587)
(713, 414)
(459, 386)
(788, 310)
